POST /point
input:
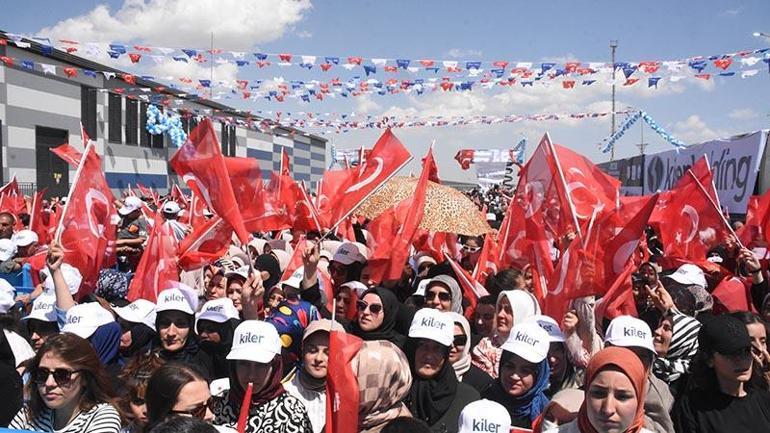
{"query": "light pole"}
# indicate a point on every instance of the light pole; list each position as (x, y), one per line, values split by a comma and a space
(613, 46)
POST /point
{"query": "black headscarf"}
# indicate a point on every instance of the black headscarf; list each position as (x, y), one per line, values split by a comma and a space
(11, 387)
(269, 264)
(386, 331)
(142, 340)
(430, 399)
(219, 351)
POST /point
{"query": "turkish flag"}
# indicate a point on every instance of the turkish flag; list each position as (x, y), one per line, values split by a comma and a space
(200, 163)
(36, 221)
(206, 244)
(86, 229)
(465, 157)
(285, 165)
(306, 215)
(734, 294)
(330, 184)
(158, 265)
(619, 299)
(68, 153)
(387, 157)
(757, 225)
(472, 289)
(342, 392)
(487, 264)
(691, 223)
(258, 206)
(178, 196)
(12, 200)
(196, 207)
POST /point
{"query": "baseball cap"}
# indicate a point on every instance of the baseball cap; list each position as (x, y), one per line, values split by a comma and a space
(690, 275)
(83, 319)
(218, 310)
(139, 311)
(550, 326)
(242, 272)
(529, 341)
(7, 249)
(363, 250)
(283, 258)
(434, 325)
(356, 286)
(628, 331)
(171, 207)
(295, 279)
(347, 254)
(71, 276)
(24, 238)
(425, 258)
(7, 293)
(43, 308)
(175, 299)
(256, 341)
(723, 334)
(130, 204)
(484, 416)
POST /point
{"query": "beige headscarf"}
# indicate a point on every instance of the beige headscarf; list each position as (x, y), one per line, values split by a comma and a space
(464, 363)
(384, 380)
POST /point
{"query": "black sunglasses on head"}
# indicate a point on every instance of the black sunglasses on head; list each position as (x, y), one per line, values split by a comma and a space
(61, 376)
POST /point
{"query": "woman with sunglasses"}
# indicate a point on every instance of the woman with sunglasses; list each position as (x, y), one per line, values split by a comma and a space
(177, 389)
(377, 316)
(443, 293)
(69, 391)
(513, 307)
(436, 396)
(523, 375)
(256, 367)
(174, 321)
(470, 251)
(724, 391)
(460, 356)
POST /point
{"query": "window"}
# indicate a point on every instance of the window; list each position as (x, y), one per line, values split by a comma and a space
(228, 139)
(144, 136)
(88, 110)
(115, 118)
(131, 122)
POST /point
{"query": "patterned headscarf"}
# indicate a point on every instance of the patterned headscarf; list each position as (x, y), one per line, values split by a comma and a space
(290, 318)
(384, 380)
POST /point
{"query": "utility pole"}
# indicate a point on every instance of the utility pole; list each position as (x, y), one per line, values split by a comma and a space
(642, 145)
(613, 46)
(211, 70)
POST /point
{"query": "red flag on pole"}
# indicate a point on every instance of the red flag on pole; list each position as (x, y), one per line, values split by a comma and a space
(86, 229)
(285, 164)
(200, 163)
(487, 264)
(36, 220)
(68, 153)
(471, 288)
(243, 416)
(734, 294)
(158, 265)
(206, 244)
(342, 393)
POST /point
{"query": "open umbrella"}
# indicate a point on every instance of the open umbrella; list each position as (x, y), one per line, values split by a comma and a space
(446, 209)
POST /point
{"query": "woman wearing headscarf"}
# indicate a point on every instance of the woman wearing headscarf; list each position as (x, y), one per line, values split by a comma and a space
(443, 293)
(290, 319)
(523, 376)
(137, 324)
(308, 381)
(614, 395)
(436, 396)
(513, 307)
(384, 381)
(215, 325)
(562, 409)
(97, 325)
(676, 344)
(175, 322)
(460, 355)
(268, 266)
(256, 368)
(377, 316)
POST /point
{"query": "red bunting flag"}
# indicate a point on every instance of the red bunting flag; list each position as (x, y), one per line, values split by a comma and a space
(87, 226)
(201, 165)
(342, 395)
(158, 265)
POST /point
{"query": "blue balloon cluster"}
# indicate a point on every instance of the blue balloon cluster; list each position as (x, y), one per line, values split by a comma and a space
(158, 123)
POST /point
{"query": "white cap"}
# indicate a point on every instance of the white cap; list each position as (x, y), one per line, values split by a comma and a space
(348, 253)
(83, 319)
(7, 294)
(43, 308)
(491, 217)
(550, 326)
(71, 276)
(422, 287)
(139, 311)
(242, 272)
(295, 279)
(529, 341)
(217, 310)
(24, 238)
(434, 325)
(690, 275)
(283, 258)
(362, 249)
(171, 207)
(256, 341)
(356, 286)
(130, 204)
(628, 331)
(7, 249)
(175, 299)
(330, 245)
(484, 416)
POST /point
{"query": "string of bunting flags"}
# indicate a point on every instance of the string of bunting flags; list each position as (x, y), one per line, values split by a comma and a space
(609, 142)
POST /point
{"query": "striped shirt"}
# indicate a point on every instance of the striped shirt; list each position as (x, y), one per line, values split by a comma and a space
(102, 418)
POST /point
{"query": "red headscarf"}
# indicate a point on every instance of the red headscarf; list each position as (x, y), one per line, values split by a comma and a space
(629, 364)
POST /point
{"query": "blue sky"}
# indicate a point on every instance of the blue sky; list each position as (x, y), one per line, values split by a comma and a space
(478, 30)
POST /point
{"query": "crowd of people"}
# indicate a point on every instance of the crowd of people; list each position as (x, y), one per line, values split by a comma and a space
(236, 333)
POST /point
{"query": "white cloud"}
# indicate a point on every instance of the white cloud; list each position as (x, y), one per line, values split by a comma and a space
(459, 53)
(185, 23)
(365, 105)
(732, 12)
(694, 130)
(743, 114)
(304, 34)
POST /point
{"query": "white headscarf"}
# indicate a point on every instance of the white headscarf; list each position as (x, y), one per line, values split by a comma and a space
(464, 363)
(523, 306)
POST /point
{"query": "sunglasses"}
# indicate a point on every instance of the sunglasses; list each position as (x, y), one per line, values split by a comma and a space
(442, 296)
(333, 268)
(374, 308)
(460, 340)
(198, 411)
(470, 249)
(61, 376)
(179, 322)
